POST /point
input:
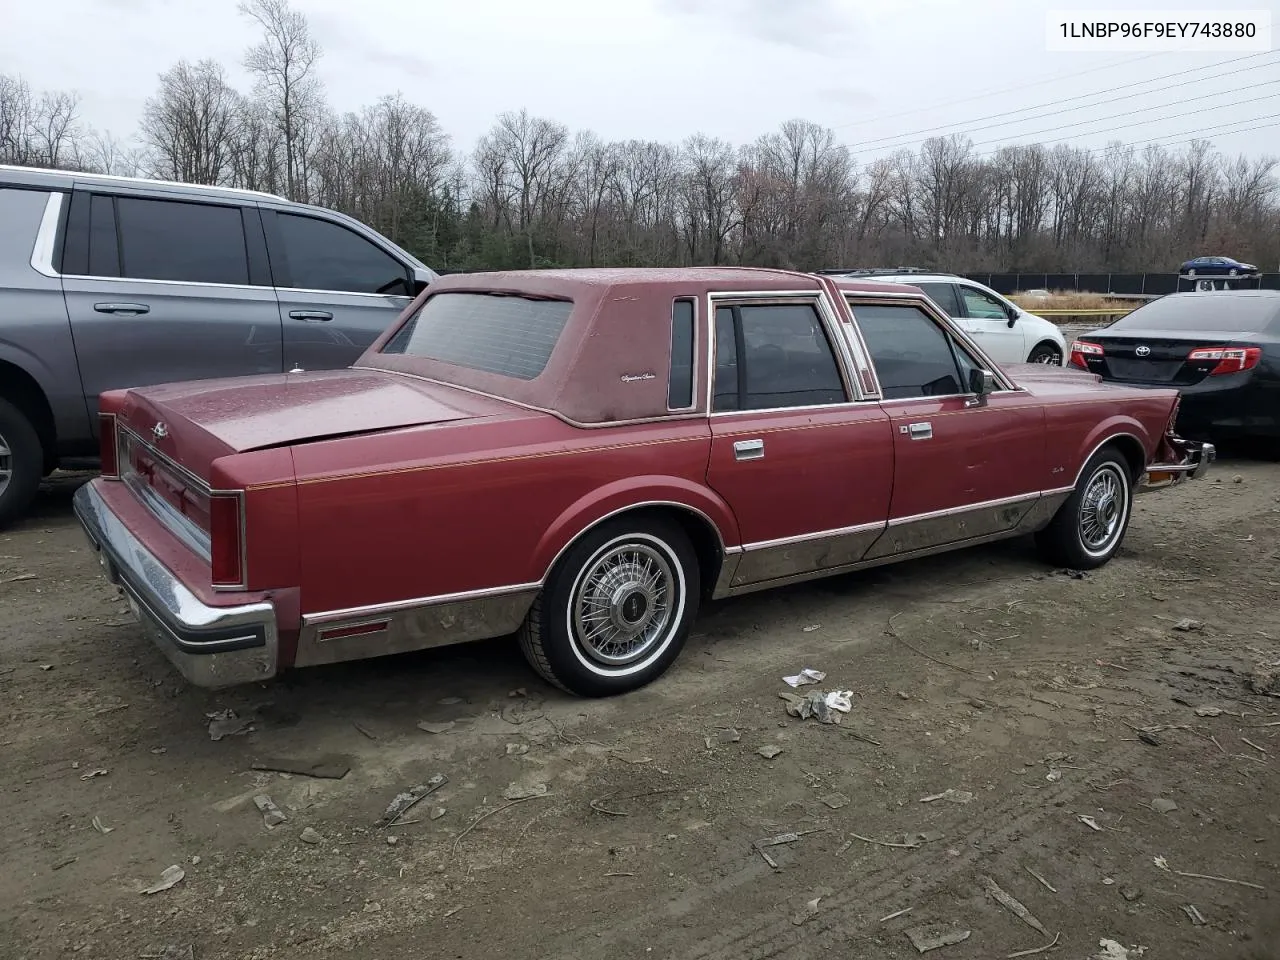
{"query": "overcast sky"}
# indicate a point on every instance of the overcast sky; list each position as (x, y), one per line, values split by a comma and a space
(882, 74)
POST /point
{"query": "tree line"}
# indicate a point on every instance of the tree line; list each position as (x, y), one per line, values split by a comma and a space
(532, 193)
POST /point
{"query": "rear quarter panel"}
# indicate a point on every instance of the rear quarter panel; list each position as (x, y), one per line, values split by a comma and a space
(478, 505)
(1079, 419)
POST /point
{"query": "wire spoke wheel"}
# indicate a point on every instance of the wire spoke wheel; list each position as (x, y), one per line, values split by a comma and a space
(1103, 508)
(621, 604)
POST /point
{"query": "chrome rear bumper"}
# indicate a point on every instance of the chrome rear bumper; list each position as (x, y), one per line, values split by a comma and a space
(1195, 463)
(210, 646)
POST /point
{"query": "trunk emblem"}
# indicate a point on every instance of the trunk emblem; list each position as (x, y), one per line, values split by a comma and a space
(1142, 351)
(159, 431)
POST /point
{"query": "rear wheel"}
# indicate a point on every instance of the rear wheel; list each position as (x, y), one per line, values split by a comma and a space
(1046, 353)
(1088, 528)
(616, 610)
(21, 463)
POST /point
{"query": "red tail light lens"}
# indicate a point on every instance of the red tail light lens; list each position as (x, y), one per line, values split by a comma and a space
(1081, 349)
(226, 540)
(1230, 359)
(108, 450)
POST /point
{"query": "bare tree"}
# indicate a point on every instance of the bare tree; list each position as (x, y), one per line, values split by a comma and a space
(192, 124)
(284, 65)
(37, 130)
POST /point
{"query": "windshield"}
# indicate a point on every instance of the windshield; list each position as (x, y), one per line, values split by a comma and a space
(508, 335)
(1209, 312)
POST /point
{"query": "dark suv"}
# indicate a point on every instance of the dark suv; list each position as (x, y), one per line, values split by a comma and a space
(110, 282)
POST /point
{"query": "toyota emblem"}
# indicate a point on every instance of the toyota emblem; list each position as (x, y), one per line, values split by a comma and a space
(159, 431)
(1143, 351)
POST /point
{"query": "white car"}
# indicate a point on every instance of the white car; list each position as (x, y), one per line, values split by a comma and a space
(1004, 330)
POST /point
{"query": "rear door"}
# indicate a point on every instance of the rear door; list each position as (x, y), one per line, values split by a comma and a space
(806, 468)
(986, 319)
(944, 295)
(338, 290)
(961, 471)
(161, 289)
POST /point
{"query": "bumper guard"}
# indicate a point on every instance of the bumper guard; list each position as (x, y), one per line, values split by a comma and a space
(1194, 462)
(210, 646)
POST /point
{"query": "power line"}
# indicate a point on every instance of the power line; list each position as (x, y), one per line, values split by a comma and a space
(1129, 96)
(1138, 123)
(1181, 133)
(1127, 113)
(993, 93)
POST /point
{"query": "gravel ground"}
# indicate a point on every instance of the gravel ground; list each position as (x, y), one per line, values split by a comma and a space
(1088, 758)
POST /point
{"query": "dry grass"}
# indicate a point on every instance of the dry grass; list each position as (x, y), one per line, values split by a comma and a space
(1071, 300)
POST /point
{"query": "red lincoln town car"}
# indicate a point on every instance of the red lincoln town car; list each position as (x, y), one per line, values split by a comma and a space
(580, 457)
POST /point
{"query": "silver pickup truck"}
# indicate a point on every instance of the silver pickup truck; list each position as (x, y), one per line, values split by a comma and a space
(110, 282)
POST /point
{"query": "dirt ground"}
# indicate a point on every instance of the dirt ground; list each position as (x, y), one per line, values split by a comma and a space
(1057, 707)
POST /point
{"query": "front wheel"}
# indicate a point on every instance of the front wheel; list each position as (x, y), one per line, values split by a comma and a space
(616, 610)
(1087, 529)
(1047, 353)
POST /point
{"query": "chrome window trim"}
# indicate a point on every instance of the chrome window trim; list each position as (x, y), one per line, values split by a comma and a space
(229, 286)
(693, 363)
(42, 250)
(827, 316)
(933, 312)
(856, 346)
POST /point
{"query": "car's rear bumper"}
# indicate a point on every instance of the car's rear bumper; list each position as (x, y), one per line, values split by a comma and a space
(212, 646)
(1193, 461)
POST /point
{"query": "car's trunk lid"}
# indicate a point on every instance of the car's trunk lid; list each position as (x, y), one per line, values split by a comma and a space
(194, 423)
(169, 435)
(1158, 356)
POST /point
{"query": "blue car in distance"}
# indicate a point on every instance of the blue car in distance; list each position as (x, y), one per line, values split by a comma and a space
(1216, 267)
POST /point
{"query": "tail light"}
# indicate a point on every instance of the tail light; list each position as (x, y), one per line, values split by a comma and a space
(1081, 349)
(1230, 359)
(108, 448)
(226, 539)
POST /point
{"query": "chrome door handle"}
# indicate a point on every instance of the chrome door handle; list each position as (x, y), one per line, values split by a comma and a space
(748, 449)
(311, 315)
(920, 431)
(131, 308)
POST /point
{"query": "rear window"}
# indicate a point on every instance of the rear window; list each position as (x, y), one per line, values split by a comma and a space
(508, 335)
(1208, 312)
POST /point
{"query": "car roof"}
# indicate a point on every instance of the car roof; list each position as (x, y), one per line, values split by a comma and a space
(690, 280)
(912, 278)
(45, 176)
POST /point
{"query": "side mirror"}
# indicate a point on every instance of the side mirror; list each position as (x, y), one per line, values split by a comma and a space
(981, 384)
(421, 280)
(1012, 314)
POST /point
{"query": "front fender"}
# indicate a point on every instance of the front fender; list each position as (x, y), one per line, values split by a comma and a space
(629, 493)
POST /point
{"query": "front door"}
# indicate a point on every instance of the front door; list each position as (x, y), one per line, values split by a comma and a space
(338, 290)
(961, 471)
(807, 471)
(161, 290)
(986, 319)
